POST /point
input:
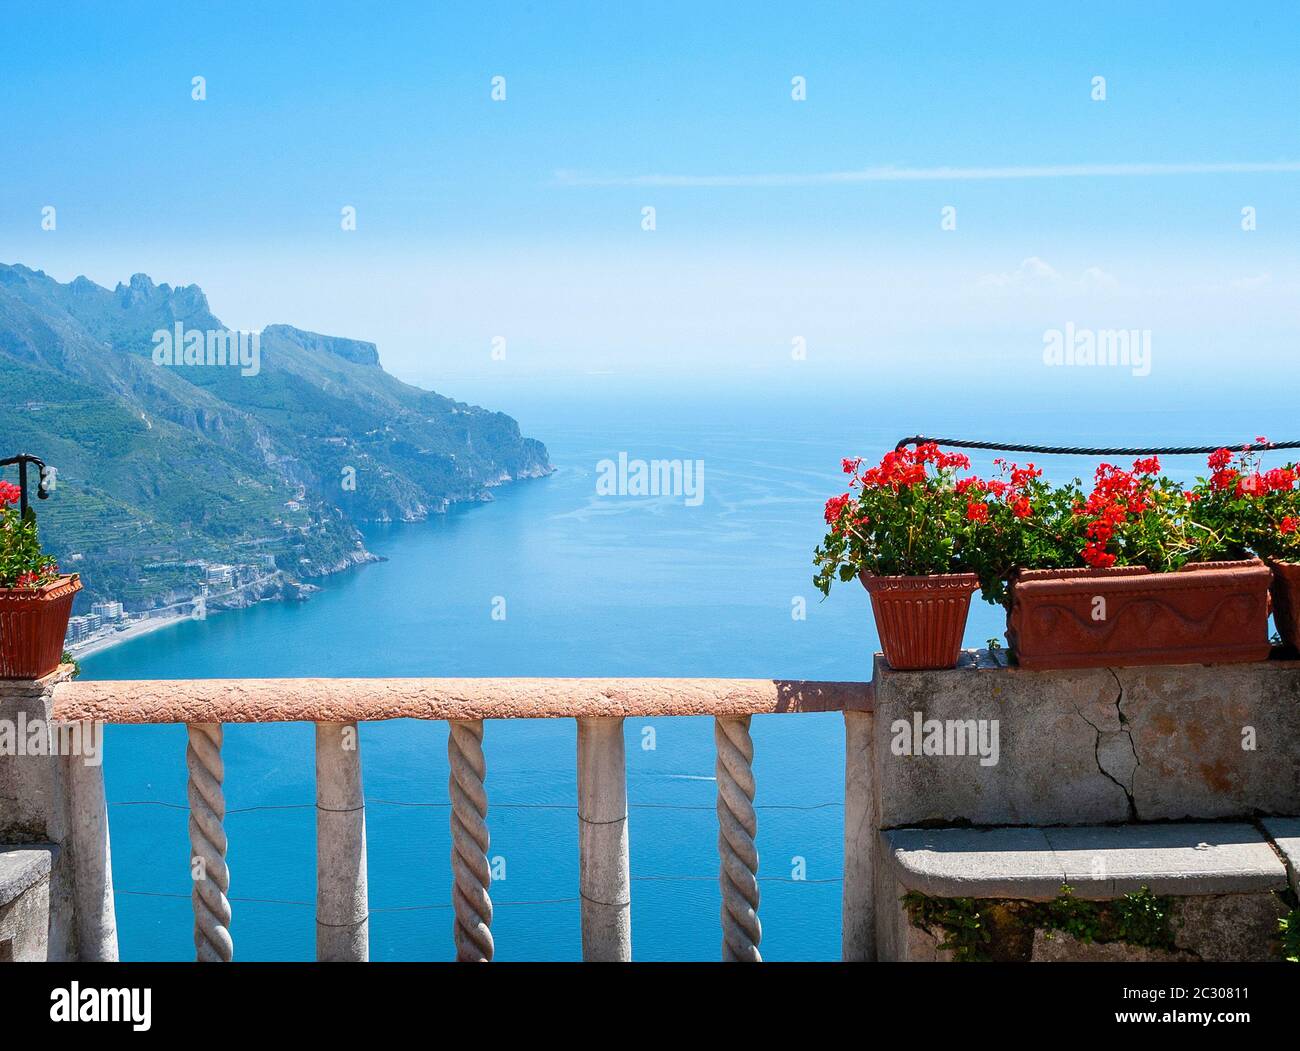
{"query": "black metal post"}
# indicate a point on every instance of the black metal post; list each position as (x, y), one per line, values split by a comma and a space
(22, 460)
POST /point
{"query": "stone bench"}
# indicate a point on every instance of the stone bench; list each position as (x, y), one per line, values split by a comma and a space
(1224, 879)
(25, 902)
(1285, 833)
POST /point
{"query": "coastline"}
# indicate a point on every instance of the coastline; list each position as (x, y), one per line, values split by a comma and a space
(301, 590)
(108, 640)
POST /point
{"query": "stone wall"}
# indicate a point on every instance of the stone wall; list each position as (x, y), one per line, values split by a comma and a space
(25, 903)
(1096, 746)
(52, 805)
(986, 745)
(35, 810)
(1225, 928)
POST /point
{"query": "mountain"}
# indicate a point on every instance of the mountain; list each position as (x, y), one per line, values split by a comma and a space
(174, 452)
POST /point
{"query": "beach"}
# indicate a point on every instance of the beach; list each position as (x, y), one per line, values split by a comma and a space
(104, 640)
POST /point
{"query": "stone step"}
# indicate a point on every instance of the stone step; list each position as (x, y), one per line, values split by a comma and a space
(1098, 862)
(25, 901)
(22, 867)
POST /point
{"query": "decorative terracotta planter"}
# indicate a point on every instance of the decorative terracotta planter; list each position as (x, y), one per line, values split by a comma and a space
(33, 623)
(1286, 601)
(921, 619)
(1212, 613)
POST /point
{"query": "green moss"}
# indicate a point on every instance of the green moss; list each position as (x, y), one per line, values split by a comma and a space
(976, 930)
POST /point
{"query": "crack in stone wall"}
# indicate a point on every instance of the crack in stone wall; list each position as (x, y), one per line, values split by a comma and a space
(1114, 751)
(1096, 746)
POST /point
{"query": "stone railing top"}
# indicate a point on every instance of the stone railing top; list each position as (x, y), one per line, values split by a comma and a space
(355, 700)
(1098, 862)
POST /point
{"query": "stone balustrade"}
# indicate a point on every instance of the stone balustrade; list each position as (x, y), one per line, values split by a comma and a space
(336, 706)
(951, 778)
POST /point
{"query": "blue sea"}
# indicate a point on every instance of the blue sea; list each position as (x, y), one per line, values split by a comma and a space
(592, 586)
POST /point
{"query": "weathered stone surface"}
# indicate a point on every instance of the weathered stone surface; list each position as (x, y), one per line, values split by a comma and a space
(1097, 862)
(1189, 725)
(1181, 859)
(1229, 928)
(975, 863)
(922, 946)
(21, 867)
(1048, 729)
(1093, 746)
(25, 903)
(33, 803)
(858, 902)
(354, 700)
(1215, 928)
(35, 808)
(1059, 947)
(604, 872)
(1285, 832)
(342, 889)
(891, 919)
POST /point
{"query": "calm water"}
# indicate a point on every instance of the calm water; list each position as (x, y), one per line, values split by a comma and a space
(592, 586)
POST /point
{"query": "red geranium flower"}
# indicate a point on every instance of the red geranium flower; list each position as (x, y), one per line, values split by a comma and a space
(1252, 485)
(1224, 479)
(834, 507)
(1279, 479)
(1097, 556)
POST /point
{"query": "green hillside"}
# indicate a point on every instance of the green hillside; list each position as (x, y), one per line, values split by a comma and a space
(159, 465)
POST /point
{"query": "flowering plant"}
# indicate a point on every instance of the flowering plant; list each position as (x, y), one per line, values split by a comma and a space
(1139, 517)
(1251, 507)
(1021, 521)
(22, 564)
(911, 515)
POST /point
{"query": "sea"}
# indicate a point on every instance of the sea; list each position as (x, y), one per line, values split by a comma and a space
(559, 577)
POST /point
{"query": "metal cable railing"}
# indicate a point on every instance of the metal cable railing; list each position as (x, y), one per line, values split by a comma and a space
(1063, 450)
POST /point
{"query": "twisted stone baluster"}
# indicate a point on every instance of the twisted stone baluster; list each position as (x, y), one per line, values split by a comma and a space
(469, 842)
(208, 844)
(737, 827)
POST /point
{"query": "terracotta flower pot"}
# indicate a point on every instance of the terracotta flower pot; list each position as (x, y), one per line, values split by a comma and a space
(1212, 613)
(33, 623)
(1286, 601)
(921, 619)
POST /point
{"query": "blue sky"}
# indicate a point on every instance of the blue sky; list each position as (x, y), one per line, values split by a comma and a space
(522, 218)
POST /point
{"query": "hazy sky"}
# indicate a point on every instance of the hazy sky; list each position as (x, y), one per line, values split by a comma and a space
(775, 219)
